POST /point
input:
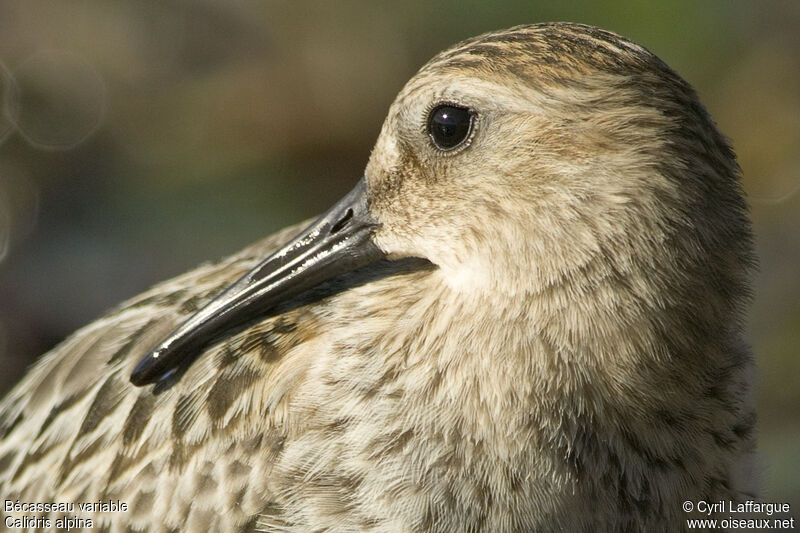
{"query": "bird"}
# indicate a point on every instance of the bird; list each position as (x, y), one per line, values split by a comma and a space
(527, 316)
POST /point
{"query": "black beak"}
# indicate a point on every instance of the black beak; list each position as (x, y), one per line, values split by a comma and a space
(336, 243)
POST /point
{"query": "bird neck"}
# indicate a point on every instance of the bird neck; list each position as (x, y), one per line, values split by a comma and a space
(565, 398)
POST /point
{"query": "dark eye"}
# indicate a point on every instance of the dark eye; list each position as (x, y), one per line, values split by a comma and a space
(449, 125)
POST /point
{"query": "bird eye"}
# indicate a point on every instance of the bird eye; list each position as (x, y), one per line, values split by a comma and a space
(449, 125)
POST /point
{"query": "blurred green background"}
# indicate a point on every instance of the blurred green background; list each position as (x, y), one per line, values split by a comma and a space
(138, 139)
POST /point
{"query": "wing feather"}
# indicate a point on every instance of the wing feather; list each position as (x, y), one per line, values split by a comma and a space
(75, 429)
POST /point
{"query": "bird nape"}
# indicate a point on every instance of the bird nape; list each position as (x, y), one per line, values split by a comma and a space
(526, 317)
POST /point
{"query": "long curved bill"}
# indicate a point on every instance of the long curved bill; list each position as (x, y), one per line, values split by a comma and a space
(337, 242)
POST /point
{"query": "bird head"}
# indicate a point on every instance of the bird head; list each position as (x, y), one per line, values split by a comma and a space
(525, 158)
(551, 155)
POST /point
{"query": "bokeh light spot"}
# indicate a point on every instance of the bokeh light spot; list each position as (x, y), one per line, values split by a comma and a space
(60, 100)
